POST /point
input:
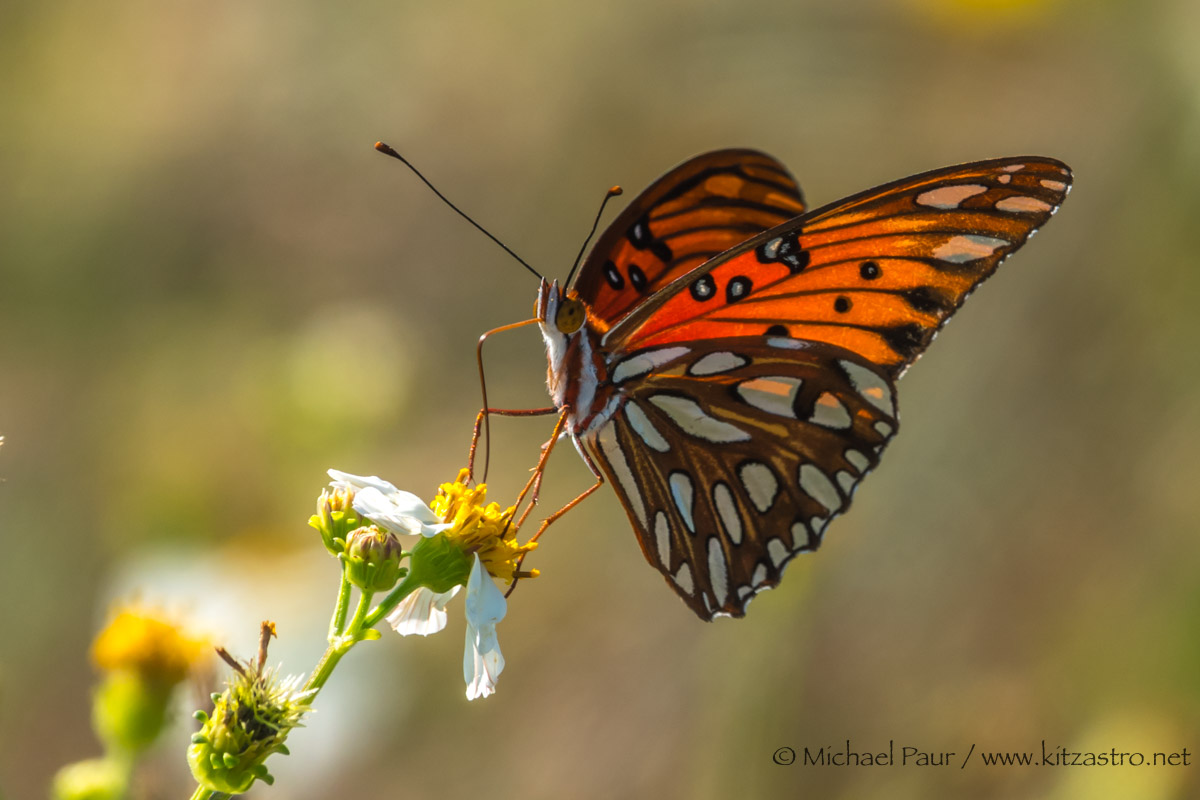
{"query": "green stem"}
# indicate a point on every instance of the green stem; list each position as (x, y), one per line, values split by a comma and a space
(333, 654)
(339, 645)
(206, 794)
(337, 625)
(406, 587)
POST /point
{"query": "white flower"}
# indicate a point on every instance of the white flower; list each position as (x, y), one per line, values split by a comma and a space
(482, 660)
(389, 507)
(423, 612)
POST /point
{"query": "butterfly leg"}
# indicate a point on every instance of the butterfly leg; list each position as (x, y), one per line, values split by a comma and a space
(503, 412)
(483, 415)
(548, 521)
(534, 483)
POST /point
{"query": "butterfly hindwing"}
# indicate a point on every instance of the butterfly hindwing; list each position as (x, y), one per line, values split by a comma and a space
(877, 274)
(696, 211)
(731, 456)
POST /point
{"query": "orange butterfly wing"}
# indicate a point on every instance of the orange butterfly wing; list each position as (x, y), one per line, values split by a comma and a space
(698, 210)
(876, 274)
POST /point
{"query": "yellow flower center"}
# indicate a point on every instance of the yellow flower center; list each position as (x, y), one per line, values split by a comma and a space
(481, 527)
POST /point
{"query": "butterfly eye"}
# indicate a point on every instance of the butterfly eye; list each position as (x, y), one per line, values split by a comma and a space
(570, 316)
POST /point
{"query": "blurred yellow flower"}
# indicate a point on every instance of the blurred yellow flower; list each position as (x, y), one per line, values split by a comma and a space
(972, 13)
(145, 641)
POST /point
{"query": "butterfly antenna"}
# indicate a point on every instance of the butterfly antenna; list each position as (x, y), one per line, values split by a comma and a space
(388, 151)
(613, 192)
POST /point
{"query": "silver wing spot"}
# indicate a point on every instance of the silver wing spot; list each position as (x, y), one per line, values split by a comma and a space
(682, 492)
(644, 428)
(683, 579)
(662, 539)
(816, 484)
(828, 412)
(773, 394)
(858, 460)
(727, 510)
(718, 570)
(873, 388)
(716, 363)
(607, 439)
(760, 484)
(692, 420)
(778, 551)
(641, 363)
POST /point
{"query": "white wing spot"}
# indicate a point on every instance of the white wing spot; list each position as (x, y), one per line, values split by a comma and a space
(662, 538)
(760, 575)
(873, 388)
(799, 536)
(644, 428)
(718, 571)
(778, 551)
(642, 363)
(715, 363)
(692, 420)
(828, 412)
(1022, 202)
(816, 525)
(859, 460)
(774, 394)
(1004, 178)
(727, 510)
(883, 428)
(683, 579)
(760, 483)
(1014, 168)
(816, 484)
(744, 590)
(681, 490)
(949, 196)
(969, 247)
(1057, 186)
(845, 480)
(785, 343)
(611, 448)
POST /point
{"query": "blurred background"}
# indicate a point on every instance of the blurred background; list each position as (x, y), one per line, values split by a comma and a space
(212, 289)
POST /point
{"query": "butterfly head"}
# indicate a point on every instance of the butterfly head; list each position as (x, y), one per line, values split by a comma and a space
(563, 318)
(559, 313)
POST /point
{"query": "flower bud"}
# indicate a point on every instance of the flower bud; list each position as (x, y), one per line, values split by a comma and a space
(373, 559)
(335, 517)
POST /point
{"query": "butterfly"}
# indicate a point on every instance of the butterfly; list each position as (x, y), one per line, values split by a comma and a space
(727, 360)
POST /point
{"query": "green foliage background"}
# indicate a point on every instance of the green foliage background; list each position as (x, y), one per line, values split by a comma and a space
(212, 289)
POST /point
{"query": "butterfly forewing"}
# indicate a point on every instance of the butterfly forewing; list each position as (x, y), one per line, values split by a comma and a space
(700, 209)
(732, 455)
(877, 274)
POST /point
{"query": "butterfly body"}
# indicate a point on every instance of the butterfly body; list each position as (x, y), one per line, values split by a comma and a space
(728, 362)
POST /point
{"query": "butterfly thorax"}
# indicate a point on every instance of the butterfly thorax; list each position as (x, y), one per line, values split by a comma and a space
(576, 374)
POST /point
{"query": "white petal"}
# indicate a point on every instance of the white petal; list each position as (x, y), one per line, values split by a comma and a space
(360, 482)
(397, 518)
(404, 503)
(410, 505)
(423, 612)
(485, 602)
(482, 660)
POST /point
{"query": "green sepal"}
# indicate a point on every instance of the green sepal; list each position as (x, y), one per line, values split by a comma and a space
(438, 564)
